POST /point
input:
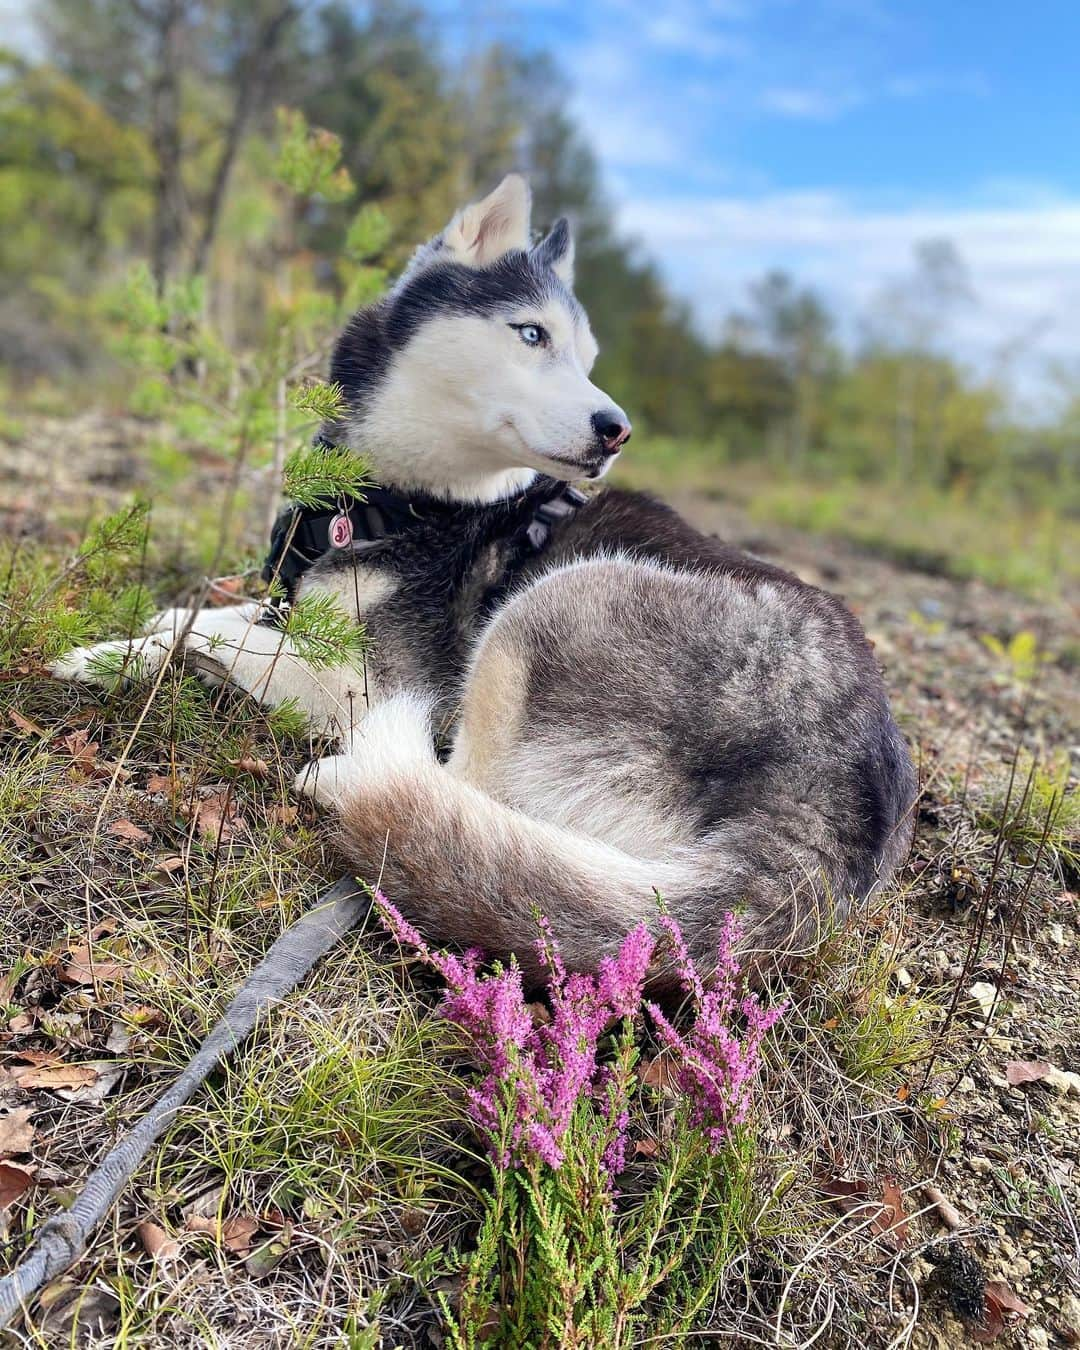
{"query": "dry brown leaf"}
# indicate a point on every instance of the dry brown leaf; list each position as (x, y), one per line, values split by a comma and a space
(16, 1132)
(81, 969)
(56, 1076)
(81, 748)
(159, 782)
(157, 1243)
(1003, 1308)
(891, 1223)
(658, 1072)
(38, 1057)
(169, 865)
(238, 1234)
(13, 1181)
(218, 818)
(20, 1022)
(107, 1073)
(1019, 1071)
(26, 725)
(850, 1196)
(258, 768)
(127, 829)
(282, 815)
(646, 1148)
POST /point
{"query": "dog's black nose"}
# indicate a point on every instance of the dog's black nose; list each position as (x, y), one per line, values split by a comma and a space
(612, 430)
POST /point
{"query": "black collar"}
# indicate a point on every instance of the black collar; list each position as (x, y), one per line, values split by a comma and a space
(302, 535)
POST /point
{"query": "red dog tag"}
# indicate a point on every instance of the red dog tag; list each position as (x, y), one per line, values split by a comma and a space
(341, 530)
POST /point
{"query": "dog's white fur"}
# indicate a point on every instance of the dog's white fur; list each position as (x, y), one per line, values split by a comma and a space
(467, 411)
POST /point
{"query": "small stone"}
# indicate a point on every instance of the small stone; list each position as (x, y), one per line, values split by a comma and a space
(902, 977)
(966, 1084)
(1063, 1082)
(1037, 1337)
(983, 995)
(1020, 1268)
(1057, 934)
(982, 1166)
(1070, 1311)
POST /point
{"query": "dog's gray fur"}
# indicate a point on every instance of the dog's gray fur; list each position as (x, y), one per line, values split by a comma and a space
(637, 710)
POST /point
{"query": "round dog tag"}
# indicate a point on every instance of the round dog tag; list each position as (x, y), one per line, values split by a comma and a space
(341, 530)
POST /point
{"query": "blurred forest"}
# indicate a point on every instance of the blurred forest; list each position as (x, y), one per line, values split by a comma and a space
(178, 134)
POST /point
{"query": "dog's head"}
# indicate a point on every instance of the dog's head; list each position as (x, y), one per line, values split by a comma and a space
(473, 373)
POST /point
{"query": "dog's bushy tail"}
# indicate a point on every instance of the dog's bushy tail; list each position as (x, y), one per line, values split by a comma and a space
(470, 870)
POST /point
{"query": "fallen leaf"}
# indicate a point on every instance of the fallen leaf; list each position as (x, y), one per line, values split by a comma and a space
(38, 1057)
(1019, 1071)
(658, 1072)
(199, 1223)
(84, 968)
(55, 1077)
(81, 748)
(238, 1234)
(20, 1022)
(169, 865)
(218, 818)
(159, 782)
(157, 1243)
(903, 1093)
(13, 1181)
(646, 1148)
(258, 768)
(1002, 1308)
(74, 1314)
(849, 1196)
(16, 1132)
(127, 829)
(891, 1224)
(26, 725)
(107, 1073)
(282, 815)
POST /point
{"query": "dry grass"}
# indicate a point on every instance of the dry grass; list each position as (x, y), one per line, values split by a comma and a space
(332, 1152)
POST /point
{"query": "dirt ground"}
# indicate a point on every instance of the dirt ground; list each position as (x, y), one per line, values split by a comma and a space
(998, 1193)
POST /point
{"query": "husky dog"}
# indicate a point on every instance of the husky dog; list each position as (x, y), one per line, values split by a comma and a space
(627, 708)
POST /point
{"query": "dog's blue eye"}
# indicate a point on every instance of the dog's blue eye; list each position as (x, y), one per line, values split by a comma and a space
(531, 334)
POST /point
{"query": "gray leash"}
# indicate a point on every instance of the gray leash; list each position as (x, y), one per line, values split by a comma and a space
(63, 1238)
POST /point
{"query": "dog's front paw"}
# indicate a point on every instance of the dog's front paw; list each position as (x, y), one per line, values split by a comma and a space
(327, 780)
(106, 664)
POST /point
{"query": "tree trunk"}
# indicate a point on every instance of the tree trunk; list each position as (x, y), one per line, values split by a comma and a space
(249, 81)
(165, 139)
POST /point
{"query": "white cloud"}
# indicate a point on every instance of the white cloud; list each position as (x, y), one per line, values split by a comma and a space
(1024, 261)
(812, 105)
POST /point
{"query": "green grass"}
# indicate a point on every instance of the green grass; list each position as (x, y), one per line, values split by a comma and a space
(988, 535)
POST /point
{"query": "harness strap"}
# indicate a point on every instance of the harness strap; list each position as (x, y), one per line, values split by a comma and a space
(302, 535)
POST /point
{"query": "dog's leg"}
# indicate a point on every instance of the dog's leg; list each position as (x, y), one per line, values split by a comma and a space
(229, 646)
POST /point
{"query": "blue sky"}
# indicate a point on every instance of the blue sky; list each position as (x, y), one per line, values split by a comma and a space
(829, 137)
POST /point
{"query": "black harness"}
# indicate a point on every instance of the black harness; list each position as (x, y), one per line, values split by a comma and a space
(302, 535)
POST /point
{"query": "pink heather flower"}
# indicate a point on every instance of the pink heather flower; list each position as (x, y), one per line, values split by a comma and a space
(534, 1077)
(715, 1068)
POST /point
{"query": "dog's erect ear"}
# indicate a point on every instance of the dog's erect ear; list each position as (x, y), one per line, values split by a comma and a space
(481, 233)
(556, 250)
